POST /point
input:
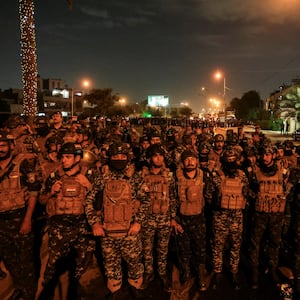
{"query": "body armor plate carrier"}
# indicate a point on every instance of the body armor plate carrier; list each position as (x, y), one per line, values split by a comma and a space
(271, 197)
(118, 207)
(232, 193)
(70, 200)
(158, 188)
(190, 194)
(12, 195)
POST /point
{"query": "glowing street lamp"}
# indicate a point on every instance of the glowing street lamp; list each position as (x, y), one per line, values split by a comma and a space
(218, 75)
(84, 83)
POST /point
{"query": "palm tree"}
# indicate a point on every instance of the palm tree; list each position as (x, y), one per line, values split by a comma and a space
(28, 55)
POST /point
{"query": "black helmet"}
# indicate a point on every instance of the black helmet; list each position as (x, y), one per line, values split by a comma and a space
(229, 154)
(54, 139)
(204, 148)
(155, 149)
(118, 148)
(70, 148)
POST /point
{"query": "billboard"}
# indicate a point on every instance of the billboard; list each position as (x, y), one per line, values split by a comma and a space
(157, 101)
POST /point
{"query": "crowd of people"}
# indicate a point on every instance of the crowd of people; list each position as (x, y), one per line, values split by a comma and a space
(146, 201)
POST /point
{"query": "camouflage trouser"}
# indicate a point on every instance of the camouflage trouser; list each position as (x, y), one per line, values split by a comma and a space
(66, 233)
(16, 251)
(270, 223)
(192, 242)
(162, 229)
(227, 223)
(128, 248)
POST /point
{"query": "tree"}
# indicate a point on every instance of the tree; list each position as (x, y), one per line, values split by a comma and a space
(28, 54)
(248, 106)
(104, 99)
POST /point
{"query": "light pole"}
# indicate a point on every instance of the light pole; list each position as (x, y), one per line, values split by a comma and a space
(85, 84)
(218, 76)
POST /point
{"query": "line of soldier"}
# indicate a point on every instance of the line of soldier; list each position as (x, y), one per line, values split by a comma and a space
(139, 196)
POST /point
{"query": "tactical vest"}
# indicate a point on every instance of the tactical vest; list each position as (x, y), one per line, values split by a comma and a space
(271, 197)
(70, 199)
(232, 193)
(190, 192)
(118, 207)
(12, 195)
(158, 188)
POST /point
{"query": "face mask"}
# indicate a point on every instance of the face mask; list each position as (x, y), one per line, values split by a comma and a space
(118, 165)
(288, 152)
(229, 167)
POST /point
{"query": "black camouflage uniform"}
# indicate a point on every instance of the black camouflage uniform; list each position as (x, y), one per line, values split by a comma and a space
(114, 194)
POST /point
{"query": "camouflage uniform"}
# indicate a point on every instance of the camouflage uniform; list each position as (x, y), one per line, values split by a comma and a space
(229, 199)
(117, 245)
(19, 186)
(192, 242)
(268, 216)
(162, 206)
(227, 223)
(67, 225)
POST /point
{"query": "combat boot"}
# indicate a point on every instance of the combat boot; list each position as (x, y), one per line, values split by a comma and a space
(297, 289)
(166, 283)
(2, 274)
(148, 278)
(216, 280)
(235, 280)
(202, 277)
(16, 295)
(274, 275)
(186, 273)
(254, 279)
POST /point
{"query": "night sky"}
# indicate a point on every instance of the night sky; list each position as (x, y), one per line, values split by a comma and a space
(159, 47)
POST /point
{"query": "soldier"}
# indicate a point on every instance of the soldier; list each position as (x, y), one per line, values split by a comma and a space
(191, 236)
(118, 219)
(269, 212)
(231, 188)
(65, 193)
(218, 147)
(19, 186)
(159, 185)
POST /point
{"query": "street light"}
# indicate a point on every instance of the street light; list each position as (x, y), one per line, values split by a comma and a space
(85, 83)
(219, 76)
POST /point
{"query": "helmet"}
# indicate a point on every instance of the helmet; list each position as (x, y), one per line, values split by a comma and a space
(118, 148)
(229, 154)
(288, 144)
(89, 158)
(71, 148)
(268, 149)
(187, 153)
(6, 137)
(232, 139)
(155, 149)
(219, 138)
(15, 121)
(186, 139)
(55, 139)
(204, 148)
(40, 121)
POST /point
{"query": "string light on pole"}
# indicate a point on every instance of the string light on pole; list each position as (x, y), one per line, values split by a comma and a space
(28, 56)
